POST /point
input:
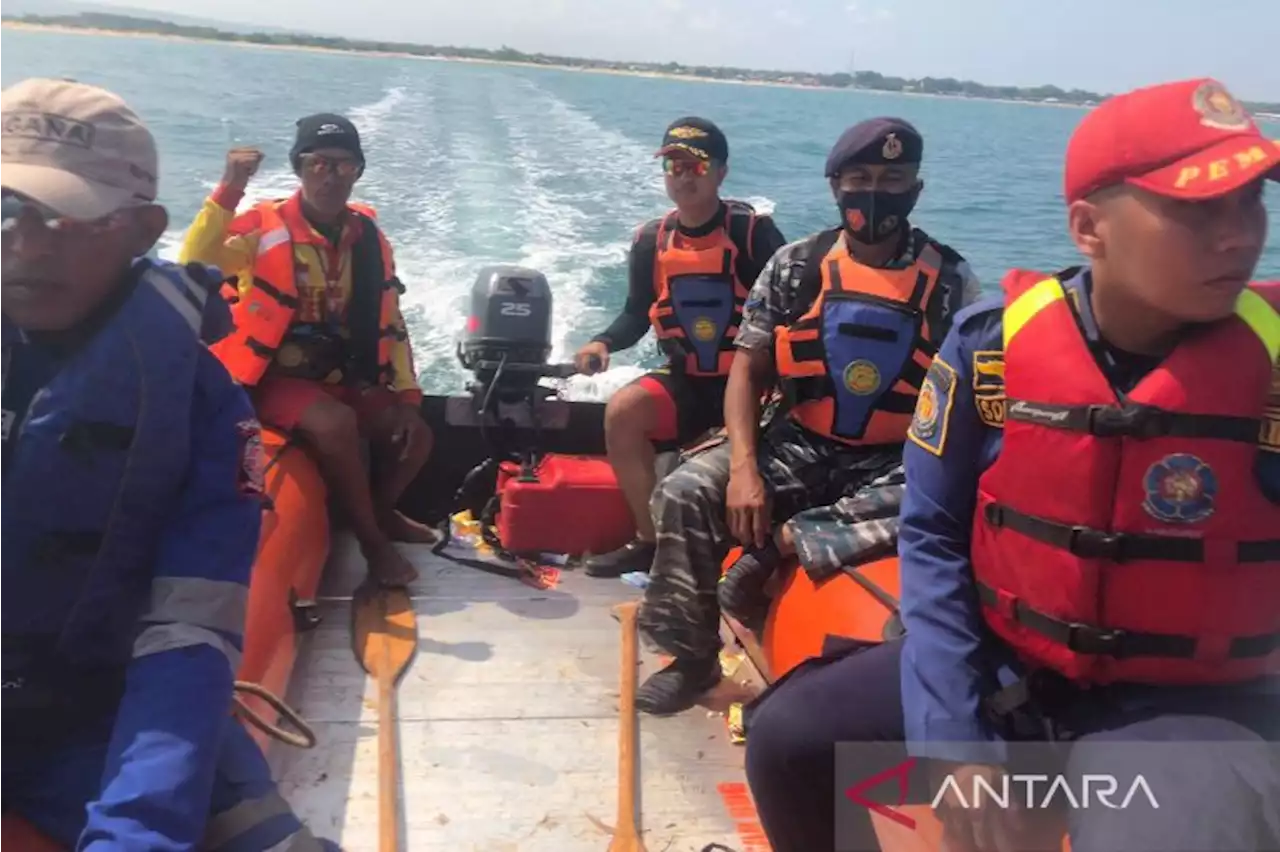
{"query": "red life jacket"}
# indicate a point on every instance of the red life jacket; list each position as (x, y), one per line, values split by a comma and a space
(853, 363)
(700, 292)
(1127, 539)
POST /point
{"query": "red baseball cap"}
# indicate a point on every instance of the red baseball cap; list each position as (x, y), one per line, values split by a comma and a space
(1189, 140)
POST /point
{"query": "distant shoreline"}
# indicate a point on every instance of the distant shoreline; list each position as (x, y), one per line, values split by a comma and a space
(376, 54)
(128, 27)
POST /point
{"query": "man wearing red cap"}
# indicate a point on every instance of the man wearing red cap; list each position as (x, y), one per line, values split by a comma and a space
(1090, 537)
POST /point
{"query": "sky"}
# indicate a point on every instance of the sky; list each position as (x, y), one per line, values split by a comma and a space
(1099, 45)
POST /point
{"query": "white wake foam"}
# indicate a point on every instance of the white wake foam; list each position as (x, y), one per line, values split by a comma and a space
(498, 171)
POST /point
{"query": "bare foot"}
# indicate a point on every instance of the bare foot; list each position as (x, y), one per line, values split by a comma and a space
(402, 529)
(388, 567)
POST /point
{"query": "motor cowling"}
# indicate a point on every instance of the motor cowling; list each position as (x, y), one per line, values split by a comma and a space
(508, 332)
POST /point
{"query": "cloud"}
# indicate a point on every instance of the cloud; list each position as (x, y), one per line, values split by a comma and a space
(865, 15)
(790, 19)
(706, 21)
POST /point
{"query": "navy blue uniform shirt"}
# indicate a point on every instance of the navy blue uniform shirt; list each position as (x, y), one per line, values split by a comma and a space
(950, 659)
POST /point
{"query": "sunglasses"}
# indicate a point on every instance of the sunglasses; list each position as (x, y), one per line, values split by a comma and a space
(317, 164)
(14, 208)
(676, 168)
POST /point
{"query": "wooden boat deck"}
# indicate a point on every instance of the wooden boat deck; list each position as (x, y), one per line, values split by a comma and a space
(508, 724)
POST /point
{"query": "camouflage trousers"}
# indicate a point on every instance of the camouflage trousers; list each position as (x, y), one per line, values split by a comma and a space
(855, 529)
(680, 614)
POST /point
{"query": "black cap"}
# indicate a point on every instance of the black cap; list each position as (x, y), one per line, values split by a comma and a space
(876, 141)
(695, 136)
(325, 130)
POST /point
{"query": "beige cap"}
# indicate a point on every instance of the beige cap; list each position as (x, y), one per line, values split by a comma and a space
(75, 148)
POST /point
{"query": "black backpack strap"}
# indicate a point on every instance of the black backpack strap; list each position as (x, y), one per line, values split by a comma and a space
(742, 226)
(811, 279)
(647, 236)
(364, 315)
(646, 242)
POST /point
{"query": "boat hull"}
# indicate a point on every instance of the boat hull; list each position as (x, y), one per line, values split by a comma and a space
(806, 616)
(286, 574)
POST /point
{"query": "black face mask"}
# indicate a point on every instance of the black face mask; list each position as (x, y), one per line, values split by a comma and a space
(875, 216)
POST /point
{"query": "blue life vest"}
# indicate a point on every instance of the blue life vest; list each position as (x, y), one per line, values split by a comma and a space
(853, 356)
(101, 457)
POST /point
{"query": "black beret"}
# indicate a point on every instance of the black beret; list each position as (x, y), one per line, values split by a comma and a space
(876, 140)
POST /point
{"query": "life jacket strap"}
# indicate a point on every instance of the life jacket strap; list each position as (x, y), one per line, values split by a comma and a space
(1134, 421)
(285, 300)
(1088, 543)
(1119, 644)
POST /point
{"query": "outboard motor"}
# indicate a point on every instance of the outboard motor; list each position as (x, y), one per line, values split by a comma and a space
(505, 346)
(507, 340)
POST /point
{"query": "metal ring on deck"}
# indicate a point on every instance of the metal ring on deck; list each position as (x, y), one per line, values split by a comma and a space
(305, 738)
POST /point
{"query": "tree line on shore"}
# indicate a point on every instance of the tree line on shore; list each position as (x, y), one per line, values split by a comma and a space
(870, 80)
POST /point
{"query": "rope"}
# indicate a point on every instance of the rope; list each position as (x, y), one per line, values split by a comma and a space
(305, 738)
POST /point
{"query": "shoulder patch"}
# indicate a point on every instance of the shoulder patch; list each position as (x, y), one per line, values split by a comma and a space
(933, 408)
(988, 386)
(251, 477)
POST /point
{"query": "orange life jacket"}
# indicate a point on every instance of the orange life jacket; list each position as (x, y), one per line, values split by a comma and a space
(1126, 538)
(264, 315)
(700, 293)
(853, 363)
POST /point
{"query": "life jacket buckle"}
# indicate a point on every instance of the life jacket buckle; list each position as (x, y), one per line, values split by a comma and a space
(1089, 543)
(1098, 641)
(1128, 421)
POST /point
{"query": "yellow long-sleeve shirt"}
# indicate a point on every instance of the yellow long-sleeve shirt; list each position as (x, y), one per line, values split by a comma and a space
(213, 240)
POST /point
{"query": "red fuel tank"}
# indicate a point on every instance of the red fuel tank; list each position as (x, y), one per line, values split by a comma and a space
(575, 507)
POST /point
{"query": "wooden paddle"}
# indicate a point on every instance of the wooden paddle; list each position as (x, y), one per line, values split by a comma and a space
(626, 837)
(385, 636)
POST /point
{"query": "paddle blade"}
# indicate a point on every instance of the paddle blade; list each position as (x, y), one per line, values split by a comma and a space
(384, 631)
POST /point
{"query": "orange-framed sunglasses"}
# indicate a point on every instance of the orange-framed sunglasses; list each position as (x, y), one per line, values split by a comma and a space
(676, 168)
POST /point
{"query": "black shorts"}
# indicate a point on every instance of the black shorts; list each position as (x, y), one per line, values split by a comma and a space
(688, 406)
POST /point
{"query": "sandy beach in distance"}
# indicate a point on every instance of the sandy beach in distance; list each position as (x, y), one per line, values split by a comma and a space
(656, 75)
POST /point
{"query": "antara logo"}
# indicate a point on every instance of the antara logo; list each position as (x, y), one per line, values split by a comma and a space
(1040, 791)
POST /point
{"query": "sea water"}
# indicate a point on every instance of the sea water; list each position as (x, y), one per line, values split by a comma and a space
(473, 164)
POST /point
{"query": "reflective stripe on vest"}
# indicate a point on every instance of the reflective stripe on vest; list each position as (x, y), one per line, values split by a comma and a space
(1127, 539)
(853, 363)
(264, 314)
(699, 299)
